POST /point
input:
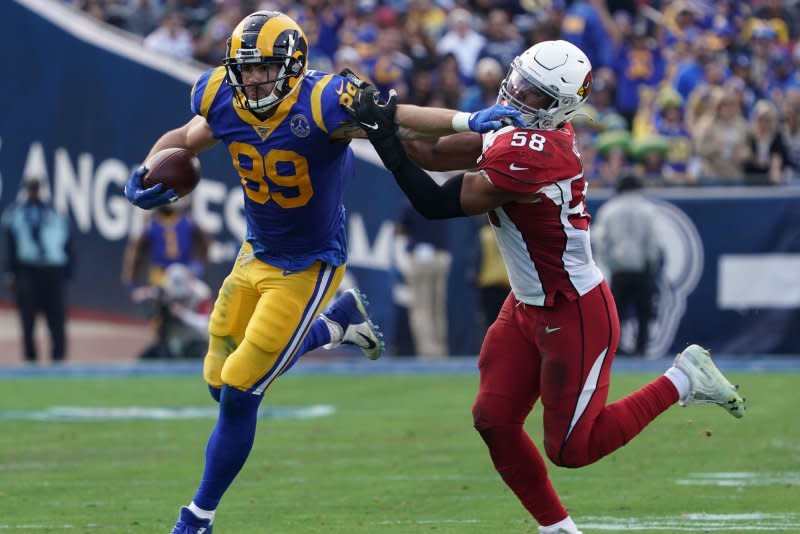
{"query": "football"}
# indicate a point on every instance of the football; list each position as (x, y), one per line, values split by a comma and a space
(176, 168)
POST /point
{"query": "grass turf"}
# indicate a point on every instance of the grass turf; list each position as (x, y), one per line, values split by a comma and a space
(399, 455)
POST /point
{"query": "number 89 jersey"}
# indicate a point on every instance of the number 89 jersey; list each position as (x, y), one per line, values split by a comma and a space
(292, 174)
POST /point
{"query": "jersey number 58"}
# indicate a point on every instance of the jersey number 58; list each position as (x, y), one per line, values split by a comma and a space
(534, 140)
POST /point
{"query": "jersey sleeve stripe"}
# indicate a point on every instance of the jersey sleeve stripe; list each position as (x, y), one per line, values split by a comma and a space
(212, 87)
(316, 101)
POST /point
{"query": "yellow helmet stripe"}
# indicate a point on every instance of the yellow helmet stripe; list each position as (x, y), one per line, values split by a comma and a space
(271, 30)
(236, 38)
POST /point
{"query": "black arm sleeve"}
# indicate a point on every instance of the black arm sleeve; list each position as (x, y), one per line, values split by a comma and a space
(431, 200)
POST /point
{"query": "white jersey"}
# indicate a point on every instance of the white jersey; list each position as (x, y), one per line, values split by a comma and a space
(544, 241)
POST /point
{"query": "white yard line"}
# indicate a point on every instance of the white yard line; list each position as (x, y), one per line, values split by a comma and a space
(740, 479)
(41, 527)
(747, 522)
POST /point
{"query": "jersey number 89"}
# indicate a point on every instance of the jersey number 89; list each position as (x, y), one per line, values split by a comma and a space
(285, 168)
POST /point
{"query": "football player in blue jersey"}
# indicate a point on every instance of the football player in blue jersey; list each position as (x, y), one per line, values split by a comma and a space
(286, 130)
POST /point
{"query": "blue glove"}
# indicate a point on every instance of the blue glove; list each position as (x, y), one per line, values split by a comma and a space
(494, 118)
(149, 198)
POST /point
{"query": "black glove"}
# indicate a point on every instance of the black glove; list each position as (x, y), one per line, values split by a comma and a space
(377, 120)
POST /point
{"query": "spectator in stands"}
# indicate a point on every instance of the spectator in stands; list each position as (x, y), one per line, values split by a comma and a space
(763, 43)
(451, 85)
(390, 68)
(503, 42)
(39, 262)
(419, 45)
(782, 75)
(691, 73)
(171, 38)
(767, 153)
(348, 56)
(681, 18)
(740, 70)
(424, 89)
(143, 16)
(670, 125)
(589, 26)
(427, 15)
(607, 116)
(627, 247)
(428, 271)
(462, 41)
(612, 150)
(781, 16)
(488, 77)
(638, 64)
(649, 153)
(720, 140)
(790, 135)
(210, 45)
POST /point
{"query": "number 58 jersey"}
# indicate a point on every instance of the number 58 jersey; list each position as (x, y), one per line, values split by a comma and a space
(292, 174)
(544, 239)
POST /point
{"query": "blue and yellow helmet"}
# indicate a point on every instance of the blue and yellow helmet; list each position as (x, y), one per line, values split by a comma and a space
(266, 38)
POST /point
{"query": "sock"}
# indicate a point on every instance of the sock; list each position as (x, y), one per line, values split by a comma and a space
(318, 335)
(215, 392)
(200, 513)
(228, 446)
(680, 381)
(565, 525)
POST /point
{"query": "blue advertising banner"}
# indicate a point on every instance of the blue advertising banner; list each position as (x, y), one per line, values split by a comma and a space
(85, 104)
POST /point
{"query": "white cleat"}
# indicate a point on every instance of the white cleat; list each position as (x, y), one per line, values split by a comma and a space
(349, 322)
(706, 383)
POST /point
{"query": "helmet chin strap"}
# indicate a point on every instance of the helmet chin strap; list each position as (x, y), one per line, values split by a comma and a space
(263, 104)
(271, 100)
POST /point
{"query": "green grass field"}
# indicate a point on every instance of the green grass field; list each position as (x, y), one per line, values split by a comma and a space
(398, 455)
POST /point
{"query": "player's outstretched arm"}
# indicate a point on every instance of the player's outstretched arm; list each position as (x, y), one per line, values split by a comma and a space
(464, 195)
(424, 122)
(438, 122)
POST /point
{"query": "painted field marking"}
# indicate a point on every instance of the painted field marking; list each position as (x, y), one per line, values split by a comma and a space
(693, 522)
(740, 479)
(127, 413)
(696, 522)
(48, 527)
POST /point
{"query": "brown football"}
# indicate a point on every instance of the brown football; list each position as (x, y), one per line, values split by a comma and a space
(177, 168)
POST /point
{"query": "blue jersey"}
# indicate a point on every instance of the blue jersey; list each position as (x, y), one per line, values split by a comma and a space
(293, 175)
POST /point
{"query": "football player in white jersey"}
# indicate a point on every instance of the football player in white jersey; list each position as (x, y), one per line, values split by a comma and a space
(557, 332)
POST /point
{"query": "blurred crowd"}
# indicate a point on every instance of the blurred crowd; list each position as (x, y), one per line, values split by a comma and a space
(686, 92)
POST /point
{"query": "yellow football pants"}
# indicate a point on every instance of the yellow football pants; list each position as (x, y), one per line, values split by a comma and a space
(260, 319)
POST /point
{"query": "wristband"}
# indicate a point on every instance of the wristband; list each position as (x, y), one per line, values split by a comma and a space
(460, 122)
